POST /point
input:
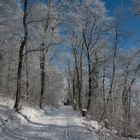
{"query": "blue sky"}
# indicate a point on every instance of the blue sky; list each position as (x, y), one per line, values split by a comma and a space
(131, 22)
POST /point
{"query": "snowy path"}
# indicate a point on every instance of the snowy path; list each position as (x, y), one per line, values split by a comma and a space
(61, 124)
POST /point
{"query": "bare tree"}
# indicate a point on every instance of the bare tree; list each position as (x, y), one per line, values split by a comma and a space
(20, 63)
(130, 76)
(109, 98)
(78, 50)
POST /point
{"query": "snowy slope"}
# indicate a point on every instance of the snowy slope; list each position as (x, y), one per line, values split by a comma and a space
(49, 124)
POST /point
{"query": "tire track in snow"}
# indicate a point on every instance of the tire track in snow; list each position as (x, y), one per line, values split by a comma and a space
(63, 125)
(66, 129)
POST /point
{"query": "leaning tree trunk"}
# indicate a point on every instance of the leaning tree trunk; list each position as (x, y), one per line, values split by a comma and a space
(20, 61)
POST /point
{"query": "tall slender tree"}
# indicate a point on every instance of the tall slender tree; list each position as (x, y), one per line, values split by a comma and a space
(21, 51)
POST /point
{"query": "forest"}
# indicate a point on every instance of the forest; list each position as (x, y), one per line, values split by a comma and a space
(56, 53)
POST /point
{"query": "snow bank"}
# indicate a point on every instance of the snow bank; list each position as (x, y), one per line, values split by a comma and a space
(63, 121)
(8, 102)
(34, 114)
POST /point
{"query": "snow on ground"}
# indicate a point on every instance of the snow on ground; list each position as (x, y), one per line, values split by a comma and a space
(48, 124)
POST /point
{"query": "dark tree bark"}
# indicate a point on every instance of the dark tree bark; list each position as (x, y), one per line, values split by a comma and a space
(89, 70)
(74, 92)
(42, 69)
(89, 82)
(20, 62)
(27, 73)
(90, 50)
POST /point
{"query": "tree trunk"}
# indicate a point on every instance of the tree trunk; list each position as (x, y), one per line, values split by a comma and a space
(69, 82)
(43, 52)
(126, 101)
(126, 112)
(18, 90)
(108, 104)
(93, 106)
(74, 93)
(42, 70)
(103, 85)
(27, 73)
(8, 81)
(78, 56)
(20, 62)
(89, 82)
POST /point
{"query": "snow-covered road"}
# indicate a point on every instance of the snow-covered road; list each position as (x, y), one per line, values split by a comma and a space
(61, 124)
